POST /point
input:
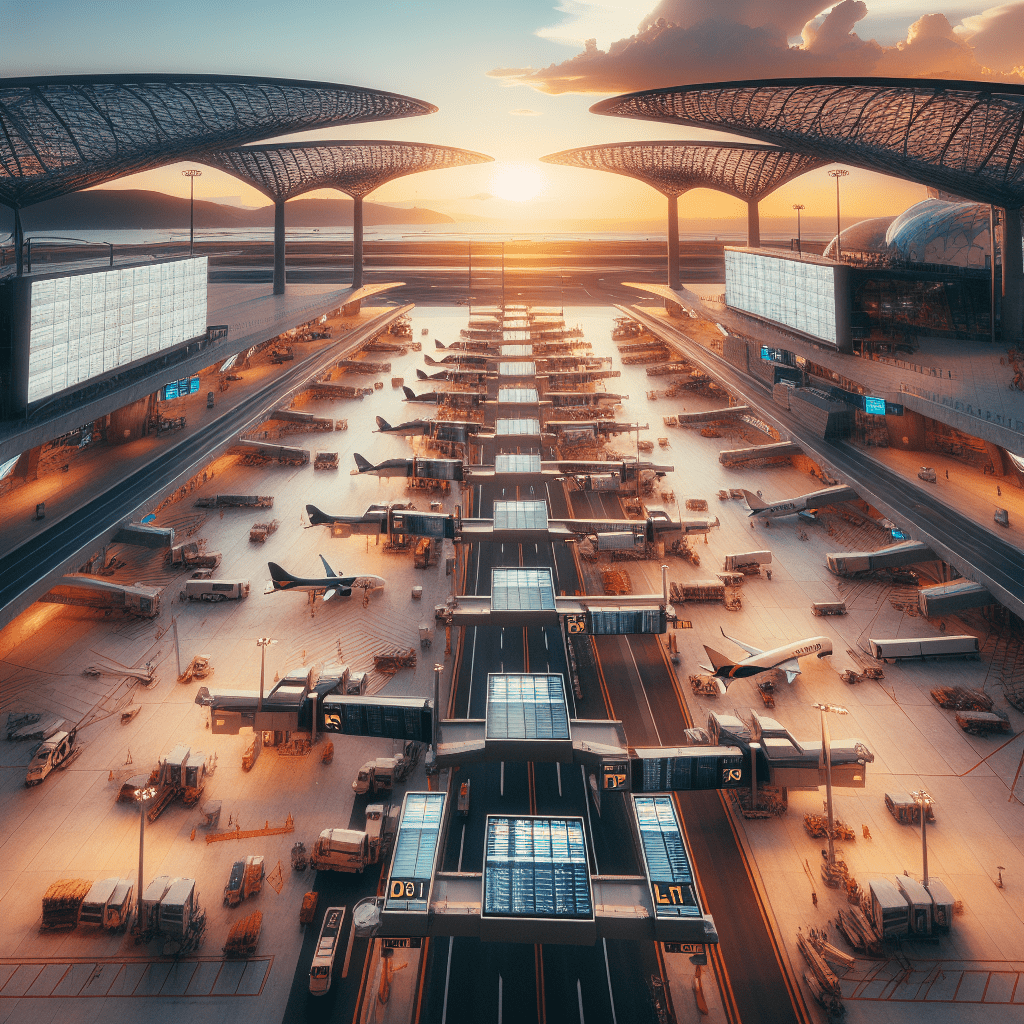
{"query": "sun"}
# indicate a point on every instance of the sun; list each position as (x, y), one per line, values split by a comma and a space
(517, 183)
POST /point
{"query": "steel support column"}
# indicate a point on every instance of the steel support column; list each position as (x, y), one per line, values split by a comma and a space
(357, 241)
(279, 247)
(673, 243)
(753, 225)
(19, 243)
(1013, 278)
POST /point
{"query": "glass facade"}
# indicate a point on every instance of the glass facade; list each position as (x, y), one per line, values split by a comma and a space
(796, 293)
(86, 325)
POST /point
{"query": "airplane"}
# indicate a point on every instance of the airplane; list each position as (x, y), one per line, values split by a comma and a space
(444, 430)
(785, 658)
(470, 376)
(433, 469)
(459, 359)
(768, 510)
(462, 399)
(332, 584)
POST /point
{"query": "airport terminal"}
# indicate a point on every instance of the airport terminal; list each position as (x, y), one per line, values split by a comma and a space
(660, 649)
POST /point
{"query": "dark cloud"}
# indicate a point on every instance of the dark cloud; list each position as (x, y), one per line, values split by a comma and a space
(707, 46)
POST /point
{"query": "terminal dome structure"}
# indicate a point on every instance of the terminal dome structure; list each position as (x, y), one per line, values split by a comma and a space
(966, 138)
(933, 231)
(866, 236)
(285, 170)
(745, 170)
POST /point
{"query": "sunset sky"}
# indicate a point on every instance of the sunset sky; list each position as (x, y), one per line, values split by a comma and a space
(515, 80)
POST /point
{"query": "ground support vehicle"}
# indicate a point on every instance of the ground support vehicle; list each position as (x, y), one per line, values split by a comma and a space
(343, 849)
(245, 880)
(180, 774)
(237, 501)
(57, 752)
(197, 668)
(108, 904)
(981, 722)
(829, 607)
(381, 774)
(169, 908)
(463, 803)
(300, 859)
(308, 909)
(327, 944)
(215, 590)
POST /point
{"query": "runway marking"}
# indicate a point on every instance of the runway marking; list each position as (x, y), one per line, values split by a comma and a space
(579, 999)
(447, 980)
(500, 987)
(462, 843)
(608, 975)
(558, 773)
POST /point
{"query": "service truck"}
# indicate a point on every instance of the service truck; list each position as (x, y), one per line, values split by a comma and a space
(245, 880)
(735, 562)
(215, 590)
(381, 774)
(346, 849)
(108, 904)
(56, 752)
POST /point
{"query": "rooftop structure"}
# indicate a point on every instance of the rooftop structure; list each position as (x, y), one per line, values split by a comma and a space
(285, 170)
(959, 137)
(744, 170)
(63, 134)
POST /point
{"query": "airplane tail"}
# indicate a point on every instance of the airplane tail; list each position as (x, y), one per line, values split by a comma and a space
(410, 395)
(754, 503)
(420, 375)
(316, 517)
(382, 424)
(362, 464)
(718, 661)
(438, 344)
(282, 579)
(327, 568)
(430, 361)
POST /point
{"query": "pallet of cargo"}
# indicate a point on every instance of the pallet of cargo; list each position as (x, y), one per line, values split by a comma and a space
(325, 460)
(236, 501)
(389, 664)
(259, 532)
(62, 901)
(959, 698)
(244, 936)
(363, 366)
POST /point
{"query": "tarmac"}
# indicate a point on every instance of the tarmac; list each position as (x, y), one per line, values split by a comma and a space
(71, 827)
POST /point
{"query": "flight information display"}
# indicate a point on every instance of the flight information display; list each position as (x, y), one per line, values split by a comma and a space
(397, 718)
(617, 621)
(85, 325)
(179, 388)
(796, 293)
(661, 770)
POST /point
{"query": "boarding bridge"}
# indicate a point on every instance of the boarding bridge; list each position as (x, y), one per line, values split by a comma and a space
(536, 885)
(512, 468)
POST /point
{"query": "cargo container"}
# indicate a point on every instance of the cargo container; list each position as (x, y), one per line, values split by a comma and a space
(829, 607)
(888, 910)
(924, 647)
(919, 902)
(178, 910)
(108, 904)
(215, 590)
(905, 809)
(617, 541)
(733, 562)
(149, 903)
(942, 905)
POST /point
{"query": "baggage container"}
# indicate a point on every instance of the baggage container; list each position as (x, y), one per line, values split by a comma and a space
(889, 911)
(942, 905)
(920, 903)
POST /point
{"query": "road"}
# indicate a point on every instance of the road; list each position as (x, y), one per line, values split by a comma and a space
(976, 551)
(24, 571)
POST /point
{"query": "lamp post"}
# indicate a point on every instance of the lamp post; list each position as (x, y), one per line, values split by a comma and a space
(192, 173)
(798, 207)
(262, 643)
(924, 803)
(837, 174)
(142, 795)
(826, 753)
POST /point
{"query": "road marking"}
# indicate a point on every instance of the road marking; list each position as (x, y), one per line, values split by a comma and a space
(608, 975)
(462, 843)
(447, 980)
(348, 951)
(643, 689)
(502, 778)
(579, 1000)
(558, 772)
(500, 985)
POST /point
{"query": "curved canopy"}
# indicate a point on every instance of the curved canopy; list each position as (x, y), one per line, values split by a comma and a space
(59, 135)
(285, 170)
(741, 169)
(963, 137)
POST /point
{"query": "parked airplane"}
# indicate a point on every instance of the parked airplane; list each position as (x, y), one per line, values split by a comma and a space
(433, 469)
(460, 399)
(459, 359)
(332, 584)
(443, 430)
(785, 658)
(815, 499)
(469, 376)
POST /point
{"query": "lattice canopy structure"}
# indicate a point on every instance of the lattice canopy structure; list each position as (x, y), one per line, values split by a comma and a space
(60, 135)
(966, 138)
(962, 137)
(744, 170)
(287, 170)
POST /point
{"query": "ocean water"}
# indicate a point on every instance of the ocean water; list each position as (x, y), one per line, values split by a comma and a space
(394, 233)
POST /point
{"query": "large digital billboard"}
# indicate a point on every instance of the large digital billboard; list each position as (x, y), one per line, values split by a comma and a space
(808, 295)
(85, 325)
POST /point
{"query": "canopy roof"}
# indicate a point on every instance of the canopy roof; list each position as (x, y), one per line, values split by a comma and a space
(285, 170)
(59, 135)
(962, 137)
(741, 169)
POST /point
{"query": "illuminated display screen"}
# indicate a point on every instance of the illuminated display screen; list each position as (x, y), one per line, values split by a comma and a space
(185, 386)
(874, 406)
(400, 718)
(686, 768)
(526, 707)
(86, 325)
(412, 866)
(617, 621)
(798, 294)
(666, 857)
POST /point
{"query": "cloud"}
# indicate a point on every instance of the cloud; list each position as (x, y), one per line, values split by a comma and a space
(510, 72)
(752, 41)
(525, 112)
(997, 36)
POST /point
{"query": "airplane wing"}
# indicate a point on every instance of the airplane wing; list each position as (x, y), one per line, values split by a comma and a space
(791, 668)
(739, 643)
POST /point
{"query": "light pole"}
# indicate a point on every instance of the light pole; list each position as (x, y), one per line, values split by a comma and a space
(837, 174)
(142, 795)
(924, 803)
(262, 643)
(192, 173)
(798, 207)
(826, 753)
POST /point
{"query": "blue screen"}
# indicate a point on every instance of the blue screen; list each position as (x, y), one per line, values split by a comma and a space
(874, 406)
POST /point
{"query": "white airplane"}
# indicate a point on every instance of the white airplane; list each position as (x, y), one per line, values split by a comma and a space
(786, 658)
(770, 509)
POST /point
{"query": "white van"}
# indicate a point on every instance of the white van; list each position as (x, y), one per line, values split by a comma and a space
(215, 590)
